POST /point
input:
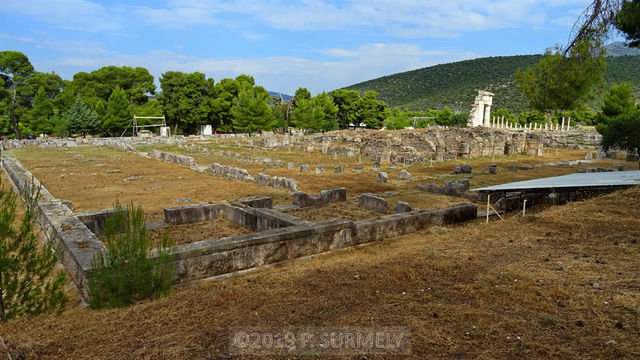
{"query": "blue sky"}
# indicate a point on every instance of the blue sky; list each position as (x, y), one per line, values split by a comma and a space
(318, 44)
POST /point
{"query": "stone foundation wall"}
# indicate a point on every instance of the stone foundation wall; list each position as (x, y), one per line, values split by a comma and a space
(278, 236)
(58, 224)
(95, 220)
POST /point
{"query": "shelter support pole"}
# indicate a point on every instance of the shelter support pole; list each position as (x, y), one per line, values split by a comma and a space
(488, 206)
(524, 207)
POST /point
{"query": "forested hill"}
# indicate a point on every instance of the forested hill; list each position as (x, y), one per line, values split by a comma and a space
(454, 84)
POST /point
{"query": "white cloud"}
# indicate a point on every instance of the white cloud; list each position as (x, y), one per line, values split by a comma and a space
(65, 14)
(23, 39)
(408, 18)
(404, 18)
(282, 73)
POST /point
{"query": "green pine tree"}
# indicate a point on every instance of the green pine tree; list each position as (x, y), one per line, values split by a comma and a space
(81, 119)
(118, 115)
(41, 113)
(28, 283)
(251, 111)
(126, 273)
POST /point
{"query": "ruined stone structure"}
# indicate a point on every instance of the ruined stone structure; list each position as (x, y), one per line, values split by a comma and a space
(480, 114)
(278, 236)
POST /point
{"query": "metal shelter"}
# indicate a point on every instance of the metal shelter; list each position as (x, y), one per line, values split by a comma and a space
(581, 182)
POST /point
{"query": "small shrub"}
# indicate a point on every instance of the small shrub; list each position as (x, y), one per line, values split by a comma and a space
(128, 271)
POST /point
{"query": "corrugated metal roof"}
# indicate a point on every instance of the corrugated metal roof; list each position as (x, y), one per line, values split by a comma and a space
(599, 179)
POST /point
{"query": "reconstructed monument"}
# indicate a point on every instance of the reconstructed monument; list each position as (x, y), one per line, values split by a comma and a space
(481, 110)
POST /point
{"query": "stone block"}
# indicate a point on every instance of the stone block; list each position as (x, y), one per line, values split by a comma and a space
(333, 195)
(304, 168)
(492, 170)
(402, 207)
(191, 213)
(263, 180)
(612, 154)
(512, 167)
(339, 169)
(588, 156)
(302, 199)
(319, 169)
(404, 175)
(373, 202)
(462, 169)
(291, 166)
(383, 177)
(257, 202)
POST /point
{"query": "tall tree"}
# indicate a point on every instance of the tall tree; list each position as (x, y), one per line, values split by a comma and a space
(172, 83)
(251, 111)
(226, 91)
(323, 116)
(370, 111)
(99, 84)
(118, 114)
(41, 113)
(80, 119)
(29, 284)
(15, 70)
(51, 82)
(302, 94)
(195, 106)
(302, 113)
(628, 21)
(346, 100)
(444, 117)
(560, 82)
(622, 132)
(619, 100)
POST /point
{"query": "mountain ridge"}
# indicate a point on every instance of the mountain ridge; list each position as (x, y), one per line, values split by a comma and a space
(454, 84)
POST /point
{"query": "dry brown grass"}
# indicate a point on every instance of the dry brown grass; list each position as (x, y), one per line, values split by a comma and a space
(205, 230)
(79, 175)
(348, 210)
(471, 307)
(366, 181)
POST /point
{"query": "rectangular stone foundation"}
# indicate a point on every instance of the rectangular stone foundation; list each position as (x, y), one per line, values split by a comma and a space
(278, 236)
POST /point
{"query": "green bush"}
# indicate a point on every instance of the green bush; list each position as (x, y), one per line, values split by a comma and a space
(128, 271)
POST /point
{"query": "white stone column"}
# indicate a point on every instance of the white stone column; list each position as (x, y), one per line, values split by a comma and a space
(487, 115)
(568, 123)
(562, 127)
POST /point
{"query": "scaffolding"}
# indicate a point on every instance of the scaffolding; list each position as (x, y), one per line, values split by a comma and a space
(164, 130)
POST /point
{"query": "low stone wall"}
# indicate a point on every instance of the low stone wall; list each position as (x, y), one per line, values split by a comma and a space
(229, 172)
(404, 223)
(191, 213)
(278, 236)
(257, 202)
(257, 219)
(58, 224)
(303, 199)
(221, 256)
(173, 158)
(95, 220)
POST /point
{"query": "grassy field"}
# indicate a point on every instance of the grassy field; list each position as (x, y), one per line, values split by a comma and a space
(563, 284)
(94, 178)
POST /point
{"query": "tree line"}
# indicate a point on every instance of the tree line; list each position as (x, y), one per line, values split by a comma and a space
(104, 101)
